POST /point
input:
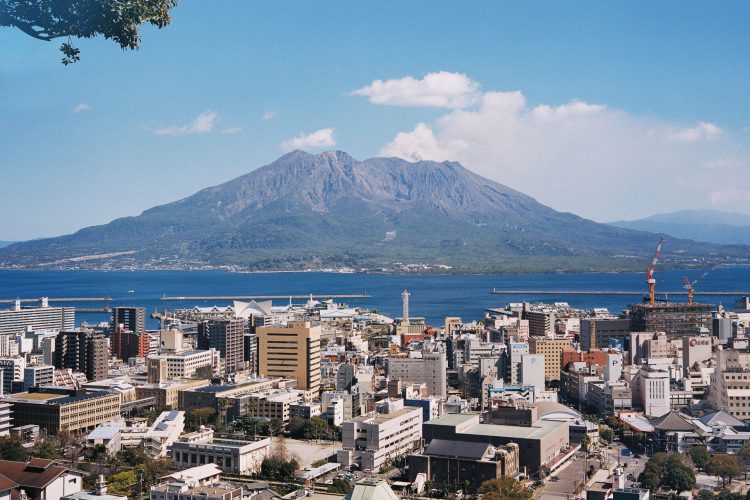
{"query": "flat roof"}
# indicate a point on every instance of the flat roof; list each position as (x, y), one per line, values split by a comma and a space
(34, 397)
(378, 418)
(537, 431)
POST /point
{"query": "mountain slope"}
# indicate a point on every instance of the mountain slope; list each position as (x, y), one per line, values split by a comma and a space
(699, 225)
(313, 211)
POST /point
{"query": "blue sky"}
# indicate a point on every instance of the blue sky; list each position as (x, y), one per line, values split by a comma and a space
(651, 92)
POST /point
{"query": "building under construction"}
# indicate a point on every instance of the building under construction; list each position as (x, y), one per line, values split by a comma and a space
(678, 319)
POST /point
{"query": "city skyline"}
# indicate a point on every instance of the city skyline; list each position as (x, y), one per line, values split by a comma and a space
(646, 100)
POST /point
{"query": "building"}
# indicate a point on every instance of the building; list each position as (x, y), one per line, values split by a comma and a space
(40, 479)
(351, 402)
(6, 418)
(373, 440)
(604, 333)
(83, 351)
(19, 319)
(552, 349)
(132, 319)
(55, 409)
(541, 323)
(609, 398)
(233, 456)
(454, 465)
(211, 395)
(166, 394)
(291, 351)
(541, 445)
(275, 404)
(654, 391)
(729, 390)
(125, 344)
(183, 365)
(430, 369)
(38, 375)
(676, 319)
(533, 371)
(227, 337)
(513, 356)
(11, 369)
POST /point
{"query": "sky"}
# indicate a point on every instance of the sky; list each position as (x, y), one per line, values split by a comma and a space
(610, 110)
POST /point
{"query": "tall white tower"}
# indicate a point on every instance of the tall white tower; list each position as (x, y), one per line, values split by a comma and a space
(405, 313)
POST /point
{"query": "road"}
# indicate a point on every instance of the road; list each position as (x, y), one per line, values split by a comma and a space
(571, 474)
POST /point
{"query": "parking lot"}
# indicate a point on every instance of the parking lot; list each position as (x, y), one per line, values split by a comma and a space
(308, 452)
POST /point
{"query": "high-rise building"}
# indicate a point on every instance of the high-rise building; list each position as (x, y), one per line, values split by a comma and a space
(133, 319)
(11, 369)
(603, 333)
(226, 335)
(552, 349)
(532, 371)
(676, 319)
(38, 375)
(83, 351)
(513, 355)
(125, 344)
(291, 351)
(431, 369)
(18, 319)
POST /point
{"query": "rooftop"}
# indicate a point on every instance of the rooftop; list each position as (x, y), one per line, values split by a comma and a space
(537, 431)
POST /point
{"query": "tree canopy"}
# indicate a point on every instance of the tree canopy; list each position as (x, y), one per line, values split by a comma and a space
(117, 20)
(504, 488)
(724, 467)
(700, 456)
(668, 469)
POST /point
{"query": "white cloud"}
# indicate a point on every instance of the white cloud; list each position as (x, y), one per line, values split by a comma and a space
(268, 115)
(322, 138)
(232, 130)
(703, 131)
(589, 159)
(203, 124)
(82, 107)
(439, 90)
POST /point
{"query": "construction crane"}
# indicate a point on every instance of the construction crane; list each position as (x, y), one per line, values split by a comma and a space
(650, 280)
(689, 284)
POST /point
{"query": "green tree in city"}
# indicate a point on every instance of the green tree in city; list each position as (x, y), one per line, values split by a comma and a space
(122, 483)
(705, 495)
(12, 449)
(653, 472)
(117, 20)
(700, 456)
(315, 428)
(504, 488)
(586, 442)
(607, 435)
(725, 467)
(743, 454)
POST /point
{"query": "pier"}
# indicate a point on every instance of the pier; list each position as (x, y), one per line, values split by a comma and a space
(58, 299)
(271, 297)
(608, 292)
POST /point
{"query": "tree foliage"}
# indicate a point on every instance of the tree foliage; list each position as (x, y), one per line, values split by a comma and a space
(607, 435)
(504, 488)
(122, 483)
(724, 467)
(744, 452)
(117, 20)
(700, 456)
(278, 469)
(11, 448)
(667, 469)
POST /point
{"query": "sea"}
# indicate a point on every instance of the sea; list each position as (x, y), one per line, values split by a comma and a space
(433, 297)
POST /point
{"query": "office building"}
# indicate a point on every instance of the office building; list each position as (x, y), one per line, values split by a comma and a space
(55, 409)
(182, 365)
(513, 356)
(11, 369)
(166, 393)
(541, 323)
(125, 344)
(431, 369)
(676, 319)
(227, 337)
(19, 319)
(6, 418)
(602, 333)
(551, 349)
(291, 351)
(233, 456)
(83, 351)
(132, 319)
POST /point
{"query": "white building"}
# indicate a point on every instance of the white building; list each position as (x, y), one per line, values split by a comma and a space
(654, 391)
(190, 364)
(374, 439)
(233, 456)
(6, 418)
(532, 371)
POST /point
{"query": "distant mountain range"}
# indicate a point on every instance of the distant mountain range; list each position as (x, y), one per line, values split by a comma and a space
(308, 211)
(6, 243)
(699, 225)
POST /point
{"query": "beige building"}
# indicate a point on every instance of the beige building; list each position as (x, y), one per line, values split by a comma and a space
(275, 404)
(167, 393)
(551, 348)
(62, 409)
(190, 364)
(291, 351)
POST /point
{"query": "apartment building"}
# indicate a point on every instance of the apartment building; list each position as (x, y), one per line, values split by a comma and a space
(430, 369)
(541, 323)
(729, 390)
(11, 369)
(373, 440)
(226, 335)
(83, 351)
(291, 351)
(38, 375)
(18, 319)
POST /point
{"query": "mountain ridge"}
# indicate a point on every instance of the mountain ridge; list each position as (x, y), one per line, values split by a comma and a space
(306, 211)
(712, 226)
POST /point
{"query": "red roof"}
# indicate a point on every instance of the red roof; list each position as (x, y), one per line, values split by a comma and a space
(36, 474)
